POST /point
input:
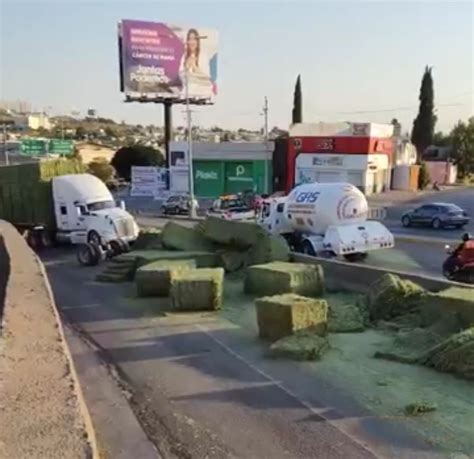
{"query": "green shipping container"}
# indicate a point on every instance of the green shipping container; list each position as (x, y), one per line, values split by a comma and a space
(25, 190)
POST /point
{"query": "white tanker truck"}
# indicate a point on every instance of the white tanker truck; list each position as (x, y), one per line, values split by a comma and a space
(325, 219)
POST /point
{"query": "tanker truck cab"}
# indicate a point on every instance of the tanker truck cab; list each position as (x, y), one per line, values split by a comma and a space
(325, 219)
(85, 211)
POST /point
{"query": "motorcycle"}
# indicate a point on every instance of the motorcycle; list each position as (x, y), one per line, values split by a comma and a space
(459, 266)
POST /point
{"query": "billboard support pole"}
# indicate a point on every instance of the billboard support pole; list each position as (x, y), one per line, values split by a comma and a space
(265, 114)
(192, 212)
(168, 130)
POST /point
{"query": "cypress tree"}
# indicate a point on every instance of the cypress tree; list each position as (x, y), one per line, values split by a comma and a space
(424, 124)
(297, 114)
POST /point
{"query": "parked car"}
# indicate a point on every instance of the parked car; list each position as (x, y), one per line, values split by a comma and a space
(231, 207)
(436, 215)
(176, 205)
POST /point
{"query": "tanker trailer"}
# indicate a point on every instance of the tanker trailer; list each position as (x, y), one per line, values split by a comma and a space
(325, 219)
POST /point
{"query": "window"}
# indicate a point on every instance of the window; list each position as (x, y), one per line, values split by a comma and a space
(63, 210)
(100, 205)
(280, 207)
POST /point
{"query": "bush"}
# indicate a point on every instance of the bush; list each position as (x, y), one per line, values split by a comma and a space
(423, 177)
(101, 168)
(135, 155)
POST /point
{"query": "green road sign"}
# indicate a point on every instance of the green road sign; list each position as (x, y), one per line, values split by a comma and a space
(61, 147)
(34, 146)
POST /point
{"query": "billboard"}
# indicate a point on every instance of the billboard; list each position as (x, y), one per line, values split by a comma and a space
(157, 60)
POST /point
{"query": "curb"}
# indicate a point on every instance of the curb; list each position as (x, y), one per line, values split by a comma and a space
(91, 434)
(425, 240)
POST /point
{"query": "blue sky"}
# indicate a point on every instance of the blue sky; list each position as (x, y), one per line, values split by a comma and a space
(352, 56)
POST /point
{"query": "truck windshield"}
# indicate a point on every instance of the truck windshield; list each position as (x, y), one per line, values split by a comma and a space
(100, 205)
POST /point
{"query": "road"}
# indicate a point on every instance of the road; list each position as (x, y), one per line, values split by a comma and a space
(462, 197)
(202, 387)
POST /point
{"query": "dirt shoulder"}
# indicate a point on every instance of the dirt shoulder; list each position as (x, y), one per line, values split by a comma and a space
(40, 413)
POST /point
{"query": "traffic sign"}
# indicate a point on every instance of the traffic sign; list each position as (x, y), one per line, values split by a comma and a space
(34, 146)
(61, 147)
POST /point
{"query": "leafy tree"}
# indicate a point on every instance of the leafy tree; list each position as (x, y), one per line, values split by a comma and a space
(424, 124)
(423, 176)
(135, 155)
(80, 132)
(297, 114)
(441, 140)
(463, 147)
(102, 169)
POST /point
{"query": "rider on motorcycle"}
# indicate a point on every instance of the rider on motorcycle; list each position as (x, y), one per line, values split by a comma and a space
(454, 261)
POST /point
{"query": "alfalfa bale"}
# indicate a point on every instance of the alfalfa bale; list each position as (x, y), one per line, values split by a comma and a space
(197, 289)
(203, 259)
(148, 238)
(453, 300)
(179, 237)
(281, 315)
(302, 345)
(268, 248)
(284, 277)
(154, 279)
(231, 233)
(390, 296)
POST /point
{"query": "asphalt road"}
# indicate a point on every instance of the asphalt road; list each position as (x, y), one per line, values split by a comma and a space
(462, 197)
(202, 387)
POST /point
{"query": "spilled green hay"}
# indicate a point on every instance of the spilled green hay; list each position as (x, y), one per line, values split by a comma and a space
(282, 315)
(197, 289)
(416, 409)
(267, 249)
(344, 315)
(390, 296)
(282, 277)
(154, 279)
(302, 345)
(180, 237)
(148, 238)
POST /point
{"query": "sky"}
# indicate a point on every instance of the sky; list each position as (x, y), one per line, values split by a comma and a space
(359, 61)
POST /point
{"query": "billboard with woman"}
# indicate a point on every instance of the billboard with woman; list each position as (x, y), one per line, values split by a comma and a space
(162, 61)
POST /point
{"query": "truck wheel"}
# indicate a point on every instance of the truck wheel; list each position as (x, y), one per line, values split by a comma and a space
(32, 239)
(308, 249)
(93, 238)
(46, 239)
(88, 254)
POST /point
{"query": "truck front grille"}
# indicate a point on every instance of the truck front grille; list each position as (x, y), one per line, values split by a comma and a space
(124, 227)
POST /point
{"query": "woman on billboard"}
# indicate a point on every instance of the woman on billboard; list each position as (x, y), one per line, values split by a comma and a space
(195, 68)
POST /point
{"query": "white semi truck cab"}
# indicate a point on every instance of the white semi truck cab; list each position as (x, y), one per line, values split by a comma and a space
(325, 219)
(86, 212)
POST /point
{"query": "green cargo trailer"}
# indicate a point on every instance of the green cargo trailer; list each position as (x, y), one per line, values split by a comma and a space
(26, 198)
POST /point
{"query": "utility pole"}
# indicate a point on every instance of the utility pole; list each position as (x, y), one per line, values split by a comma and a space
(265, 131)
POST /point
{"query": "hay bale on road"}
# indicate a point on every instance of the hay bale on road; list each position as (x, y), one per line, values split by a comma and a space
(231, 233)
(179, 237)
(148, 238)
(282, 277)
(267, 249)
(345, 317)
(154, 279)
(281, 315)
(197, 289)
(453, 355)
(202, 259)
(453, 300)
(302, 345)
(390, 296)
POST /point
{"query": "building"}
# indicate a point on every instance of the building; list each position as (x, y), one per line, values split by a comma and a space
(39, 121)
(358, 153)
(222, 168)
